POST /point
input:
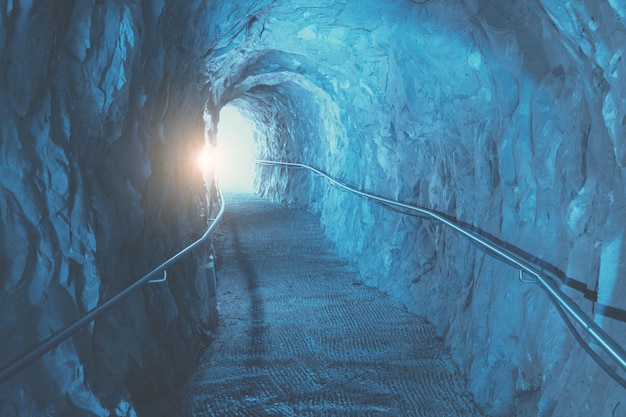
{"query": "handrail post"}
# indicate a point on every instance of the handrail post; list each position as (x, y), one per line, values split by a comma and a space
(208, 269)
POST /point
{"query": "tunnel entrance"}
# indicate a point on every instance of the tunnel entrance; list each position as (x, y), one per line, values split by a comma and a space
(236, 148)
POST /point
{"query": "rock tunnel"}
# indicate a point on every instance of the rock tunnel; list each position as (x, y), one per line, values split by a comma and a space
(508, 116)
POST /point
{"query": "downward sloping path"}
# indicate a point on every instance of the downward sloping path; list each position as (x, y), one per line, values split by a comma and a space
(299, 336)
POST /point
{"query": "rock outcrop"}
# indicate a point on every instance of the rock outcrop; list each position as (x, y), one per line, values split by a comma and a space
(506, 115)
(99, 124)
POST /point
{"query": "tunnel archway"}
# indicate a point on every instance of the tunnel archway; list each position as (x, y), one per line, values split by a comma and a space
(506, 115)
(438, 107)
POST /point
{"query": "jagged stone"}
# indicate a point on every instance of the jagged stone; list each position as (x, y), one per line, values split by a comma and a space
(507, 115)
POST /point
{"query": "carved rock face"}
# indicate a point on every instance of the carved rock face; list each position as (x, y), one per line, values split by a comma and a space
(507, 116)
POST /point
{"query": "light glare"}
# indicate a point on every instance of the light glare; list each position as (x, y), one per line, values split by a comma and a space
(205, 160)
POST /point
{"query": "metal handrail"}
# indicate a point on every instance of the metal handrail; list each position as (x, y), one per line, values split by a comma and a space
(614, 350)
(18, 364)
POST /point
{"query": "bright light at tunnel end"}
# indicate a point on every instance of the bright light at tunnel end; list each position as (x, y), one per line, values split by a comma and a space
(236, 149)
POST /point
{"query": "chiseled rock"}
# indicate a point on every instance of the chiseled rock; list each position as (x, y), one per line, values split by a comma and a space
(91, 199)
(504, 115)
(508, 116)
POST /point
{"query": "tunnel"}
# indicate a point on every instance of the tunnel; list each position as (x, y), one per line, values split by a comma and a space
(506, 118)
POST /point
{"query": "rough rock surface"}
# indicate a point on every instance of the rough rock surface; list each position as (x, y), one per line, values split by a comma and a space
(507, 115)
(97, 130)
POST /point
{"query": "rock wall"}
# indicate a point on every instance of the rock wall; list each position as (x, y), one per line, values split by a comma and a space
(507, 116)
(504, 115)
(101, 116)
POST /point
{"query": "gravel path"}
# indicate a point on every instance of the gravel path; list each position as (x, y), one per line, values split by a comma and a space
(299, 335)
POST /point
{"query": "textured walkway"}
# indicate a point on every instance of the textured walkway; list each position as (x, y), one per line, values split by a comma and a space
(299, 335)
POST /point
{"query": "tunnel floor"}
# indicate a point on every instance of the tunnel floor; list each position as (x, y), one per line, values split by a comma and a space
(299, 335)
